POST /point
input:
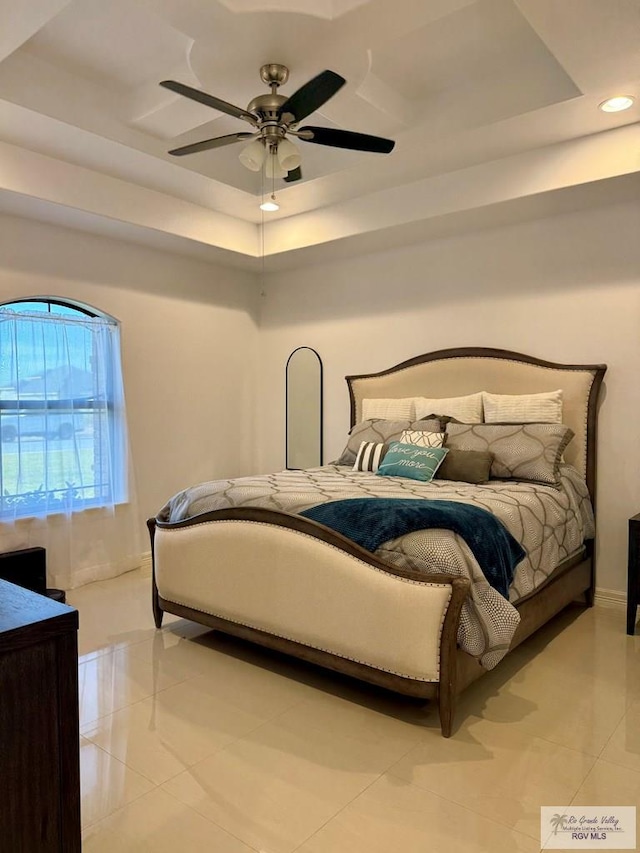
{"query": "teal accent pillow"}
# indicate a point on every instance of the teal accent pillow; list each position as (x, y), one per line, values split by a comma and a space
(412, 461)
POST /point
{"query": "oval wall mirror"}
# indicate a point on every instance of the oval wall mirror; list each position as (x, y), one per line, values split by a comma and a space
(304, 409)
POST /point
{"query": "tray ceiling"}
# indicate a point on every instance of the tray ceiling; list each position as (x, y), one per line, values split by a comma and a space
(497, 98)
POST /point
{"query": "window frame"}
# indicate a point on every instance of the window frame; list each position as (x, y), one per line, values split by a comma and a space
(78, 307)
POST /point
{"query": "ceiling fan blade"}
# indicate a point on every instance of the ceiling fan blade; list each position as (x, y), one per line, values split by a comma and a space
(293, 175)
(208, 100)
(206, 144)
(310, 97)
(347, 139)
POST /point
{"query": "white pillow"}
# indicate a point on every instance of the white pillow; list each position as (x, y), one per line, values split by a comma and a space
(389, 409)
(543, 408)
(422, 439)
(467, 409)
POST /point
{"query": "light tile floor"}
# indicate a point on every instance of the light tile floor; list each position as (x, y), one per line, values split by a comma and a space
(193, 741)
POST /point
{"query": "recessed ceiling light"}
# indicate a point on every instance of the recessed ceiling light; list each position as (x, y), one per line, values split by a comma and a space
(617, 104)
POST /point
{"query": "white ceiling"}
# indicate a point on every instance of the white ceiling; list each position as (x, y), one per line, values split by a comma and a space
(493, 105)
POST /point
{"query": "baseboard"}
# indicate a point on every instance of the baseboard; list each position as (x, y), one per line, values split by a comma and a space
(610, 598)
(146, 564)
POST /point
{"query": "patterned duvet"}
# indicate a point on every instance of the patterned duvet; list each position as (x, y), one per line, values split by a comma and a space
(551, 524)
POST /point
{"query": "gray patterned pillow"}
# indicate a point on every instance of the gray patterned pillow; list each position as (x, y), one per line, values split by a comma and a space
(380, 431)
(520, 451)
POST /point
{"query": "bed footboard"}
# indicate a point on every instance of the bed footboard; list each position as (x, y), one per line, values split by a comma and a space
(296, 586)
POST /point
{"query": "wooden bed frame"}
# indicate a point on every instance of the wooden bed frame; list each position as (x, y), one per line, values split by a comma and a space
(238, 570)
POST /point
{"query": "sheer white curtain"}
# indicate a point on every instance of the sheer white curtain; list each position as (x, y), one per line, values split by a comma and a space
(65, 477)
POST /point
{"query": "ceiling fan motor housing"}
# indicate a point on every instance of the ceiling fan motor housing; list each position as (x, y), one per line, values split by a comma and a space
(267, 107)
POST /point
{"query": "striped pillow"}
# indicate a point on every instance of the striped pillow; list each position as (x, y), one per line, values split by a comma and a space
(543, 408)
(390, 410)
(369, 456)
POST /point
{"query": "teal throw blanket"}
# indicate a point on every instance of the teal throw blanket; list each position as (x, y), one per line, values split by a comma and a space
(371, 521)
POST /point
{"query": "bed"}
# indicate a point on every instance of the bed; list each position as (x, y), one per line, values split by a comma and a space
(419, 619)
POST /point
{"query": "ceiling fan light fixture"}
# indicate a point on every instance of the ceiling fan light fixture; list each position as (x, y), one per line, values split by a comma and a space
(288, 155)
(252, 155)
(272, 167)
(616, 104)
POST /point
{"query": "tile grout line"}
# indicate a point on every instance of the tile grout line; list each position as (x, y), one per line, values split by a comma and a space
(339, 812)
(210, 820)
(357, 796)
(124, 806)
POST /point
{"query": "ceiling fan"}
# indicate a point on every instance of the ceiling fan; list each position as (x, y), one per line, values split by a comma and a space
(275, 117)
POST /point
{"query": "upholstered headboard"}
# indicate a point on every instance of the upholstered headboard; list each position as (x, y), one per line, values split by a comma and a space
(457, 372)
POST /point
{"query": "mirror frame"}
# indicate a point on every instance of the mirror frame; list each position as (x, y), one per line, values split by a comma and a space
(320, 407)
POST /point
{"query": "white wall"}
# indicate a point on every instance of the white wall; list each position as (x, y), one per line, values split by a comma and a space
(188, 337)
(566, 288)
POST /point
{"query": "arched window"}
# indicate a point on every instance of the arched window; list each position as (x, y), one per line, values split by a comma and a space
(62, 426)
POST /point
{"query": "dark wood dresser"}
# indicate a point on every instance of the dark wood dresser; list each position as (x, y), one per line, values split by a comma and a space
(39, 733)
